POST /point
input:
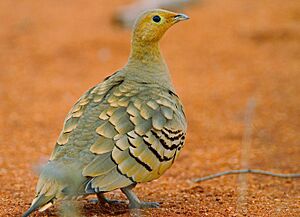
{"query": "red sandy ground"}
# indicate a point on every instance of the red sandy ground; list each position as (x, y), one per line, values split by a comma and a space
(230, 51)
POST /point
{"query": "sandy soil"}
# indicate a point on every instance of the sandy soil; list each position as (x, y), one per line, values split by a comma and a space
(229, 52)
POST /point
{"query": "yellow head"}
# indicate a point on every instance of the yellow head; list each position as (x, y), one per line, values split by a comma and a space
(152, 24)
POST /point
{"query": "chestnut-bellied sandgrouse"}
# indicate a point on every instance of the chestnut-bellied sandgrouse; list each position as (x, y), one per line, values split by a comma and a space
(126, 130)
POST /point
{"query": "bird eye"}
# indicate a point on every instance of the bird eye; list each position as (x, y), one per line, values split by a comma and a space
(156, 18)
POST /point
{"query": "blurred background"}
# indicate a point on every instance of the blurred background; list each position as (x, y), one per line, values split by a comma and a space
(231, 56)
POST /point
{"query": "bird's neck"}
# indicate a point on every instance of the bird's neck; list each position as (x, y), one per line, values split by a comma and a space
(146, 63)
(145, 53)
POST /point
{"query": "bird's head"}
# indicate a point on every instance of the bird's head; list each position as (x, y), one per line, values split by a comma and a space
(152, 24)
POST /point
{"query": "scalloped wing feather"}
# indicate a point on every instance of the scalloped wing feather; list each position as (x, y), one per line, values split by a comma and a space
(147, 131)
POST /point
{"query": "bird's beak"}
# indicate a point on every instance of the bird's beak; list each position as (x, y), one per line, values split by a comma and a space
(180, 17)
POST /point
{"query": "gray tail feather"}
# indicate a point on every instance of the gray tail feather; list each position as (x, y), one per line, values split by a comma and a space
(41, 201)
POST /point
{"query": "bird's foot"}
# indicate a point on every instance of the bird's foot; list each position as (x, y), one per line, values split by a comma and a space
(108, 201)
(134, 202)
(103, 200)
(115, 202)
(143, 205)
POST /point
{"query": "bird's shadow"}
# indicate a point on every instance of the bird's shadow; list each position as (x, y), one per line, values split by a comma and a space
(90, 209)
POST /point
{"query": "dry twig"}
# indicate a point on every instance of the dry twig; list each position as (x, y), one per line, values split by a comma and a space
(247, 138)
(253, 171)
(242, 203)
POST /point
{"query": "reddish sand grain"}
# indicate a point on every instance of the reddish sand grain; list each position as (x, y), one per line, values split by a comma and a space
(228, 52)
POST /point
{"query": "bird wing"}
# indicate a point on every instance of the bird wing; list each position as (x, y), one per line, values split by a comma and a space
(97, 95)
(140, 135)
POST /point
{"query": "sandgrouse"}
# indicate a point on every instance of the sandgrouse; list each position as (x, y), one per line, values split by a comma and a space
(126, 130)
